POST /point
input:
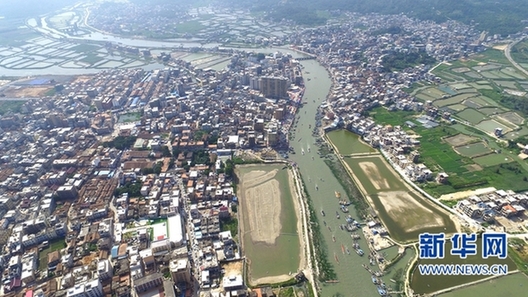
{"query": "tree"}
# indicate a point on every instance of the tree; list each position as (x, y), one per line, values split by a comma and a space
(165, 151)
(229, 168)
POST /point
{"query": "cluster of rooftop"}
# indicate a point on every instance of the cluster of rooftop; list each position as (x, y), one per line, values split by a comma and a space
(120, 183)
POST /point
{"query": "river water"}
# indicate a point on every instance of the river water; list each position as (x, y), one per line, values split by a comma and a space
(354, 280)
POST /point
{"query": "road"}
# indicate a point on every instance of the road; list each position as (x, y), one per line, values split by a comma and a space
(507, 53)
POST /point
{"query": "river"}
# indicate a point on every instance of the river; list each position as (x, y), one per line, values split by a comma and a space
(354, 280)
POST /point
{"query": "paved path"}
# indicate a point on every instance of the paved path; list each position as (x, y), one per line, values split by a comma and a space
(507, 53)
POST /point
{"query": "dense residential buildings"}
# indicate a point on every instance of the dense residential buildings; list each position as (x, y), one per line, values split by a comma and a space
(121, 183)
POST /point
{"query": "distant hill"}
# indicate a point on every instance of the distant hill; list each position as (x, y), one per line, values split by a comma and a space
(495, 16)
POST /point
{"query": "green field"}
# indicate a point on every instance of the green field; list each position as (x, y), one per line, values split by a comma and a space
(509, 285)
(513, 73)
(424, 97)
(457, 107)
(461, 86)
(507, 84)
(283, 256)
(394, 118)
(474, 149)
(55, 245)
(348, 142)
(431, 283)
(457, 99)
(490, 125)
(490, 110)
(492, 160)
(517, 133)
(405, 221)
(481, 86)
(129, 117)
(471, 115)
(433, 92)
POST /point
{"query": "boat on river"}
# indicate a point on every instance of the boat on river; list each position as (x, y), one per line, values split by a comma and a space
(360, 252)
(344, 209)
(351, 228)
(322, 213)
(343, 249)
(337, 215)
(381, 291)
(333, 238)
(347, 251)
(374, 280)
(337, 194)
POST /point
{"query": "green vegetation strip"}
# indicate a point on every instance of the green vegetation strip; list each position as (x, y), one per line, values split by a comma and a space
(320, 253)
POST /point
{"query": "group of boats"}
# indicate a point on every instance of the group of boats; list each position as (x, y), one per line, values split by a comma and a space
(352, 225)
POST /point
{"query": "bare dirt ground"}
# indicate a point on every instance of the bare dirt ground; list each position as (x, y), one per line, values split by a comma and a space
(459, 139)
(83, 78)
(379, 182)
(465, 194)
(233, 268)
(20, 92)
(500, 47)
(256, 177)
(411, 214)
(262, 208)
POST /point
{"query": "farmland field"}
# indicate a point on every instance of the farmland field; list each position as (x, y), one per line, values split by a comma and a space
(481, 86)
(457, 107)
(512, 117)
(424, 97)
(512, 72)
(471, 115)
(490, 110)
(492, 159)
(460, 86)
(472, 150)
(460, 139)
(507, 84)
(457, 99)
(433, 92)
(490, 125)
